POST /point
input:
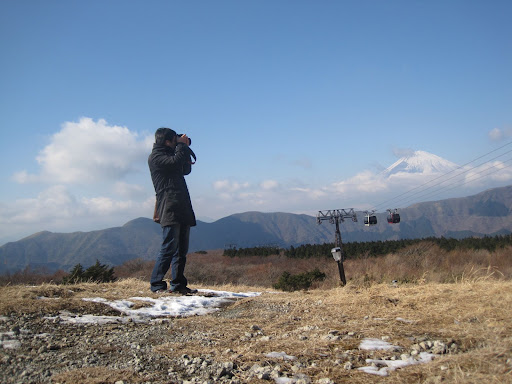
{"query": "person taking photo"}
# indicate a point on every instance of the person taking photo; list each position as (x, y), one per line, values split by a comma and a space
(169, 162)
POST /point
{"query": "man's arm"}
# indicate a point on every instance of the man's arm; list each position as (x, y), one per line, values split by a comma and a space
(178, 159)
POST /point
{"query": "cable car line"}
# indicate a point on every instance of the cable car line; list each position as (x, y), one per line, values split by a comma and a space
(470, 181)
(444, 175)
(458, 175)
(455, 184)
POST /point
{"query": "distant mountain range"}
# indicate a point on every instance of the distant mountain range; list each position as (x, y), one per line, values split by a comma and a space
(487, 213)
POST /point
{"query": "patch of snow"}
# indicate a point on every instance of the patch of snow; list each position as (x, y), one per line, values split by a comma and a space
(8, 340)
(284, 380)
(10, 344)
(93, 319)
(164, 305)
(421, 162)
(280, 355)
(377, 367)
(376, 344)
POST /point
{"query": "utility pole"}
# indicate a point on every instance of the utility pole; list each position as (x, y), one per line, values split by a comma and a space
(335, 216)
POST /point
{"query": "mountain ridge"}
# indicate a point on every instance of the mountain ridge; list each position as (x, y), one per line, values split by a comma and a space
(487, 213)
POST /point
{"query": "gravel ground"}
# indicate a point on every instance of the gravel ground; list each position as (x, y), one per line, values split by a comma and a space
(41, 348)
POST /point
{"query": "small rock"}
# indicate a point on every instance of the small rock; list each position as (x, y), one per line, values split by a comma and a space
(439, 348)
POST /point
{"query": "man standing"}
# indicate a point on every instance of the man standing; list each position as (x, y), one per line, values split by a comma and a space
(168, 162)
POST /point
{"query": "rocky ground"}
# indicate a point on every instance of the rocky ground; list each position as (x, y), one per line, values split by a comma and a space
(38, 346)
(281, 338)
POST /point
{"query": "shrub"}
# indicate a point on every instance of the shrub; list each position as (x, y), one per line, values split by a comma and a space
(289, 282)
(98, 273)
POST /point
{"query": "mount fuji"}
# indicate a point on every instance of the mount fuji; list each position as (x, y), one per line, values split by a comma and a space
(420, 163)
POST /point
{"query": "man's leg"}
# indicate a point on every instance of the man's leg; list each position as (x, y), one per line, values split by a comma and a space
(179, 281)
(169, 249)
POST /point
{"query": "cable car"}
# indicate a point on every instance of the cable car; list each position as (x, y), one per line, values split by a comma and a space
(393, 217)
(370, 218)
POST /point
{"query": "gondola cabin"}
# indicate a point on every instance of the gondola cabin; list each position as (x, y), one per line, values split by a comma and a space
(393, 218)
(370, 220)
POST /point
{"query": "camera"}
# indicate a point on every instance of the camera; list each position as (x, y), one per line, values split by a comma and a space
(189, 139)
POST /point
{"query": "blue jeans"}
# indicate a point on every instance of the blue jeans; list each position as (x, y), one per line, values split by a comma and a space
(173, 254)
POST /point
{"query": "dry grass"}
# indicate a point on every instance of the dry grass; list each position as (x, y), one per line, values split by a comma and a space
(465, 296)
(97, 375)
(474, 312)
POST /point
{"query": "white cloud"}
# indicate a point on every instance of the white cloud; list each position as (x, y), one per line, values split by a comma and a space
(365, 181)
(269, 184)
(124, 189)
(309, 193)
(23, 177)
(227, 186)
(51, 204)
(87, 152)
(58, 209)
(498, 134)
(496, 171)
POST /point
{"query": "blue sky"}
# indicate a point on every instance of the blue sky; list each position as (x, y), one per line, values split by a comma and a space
(284, 101)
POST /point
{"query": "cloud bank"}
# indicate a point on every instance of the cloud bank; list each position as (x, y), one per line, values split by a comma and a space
(83, 184)
(89, 151)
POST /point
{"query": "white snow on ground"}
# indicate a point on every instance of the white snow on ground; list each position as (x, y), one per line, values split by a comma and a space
(383, 367)
(376, 344)
(166, 304)
(8, 341)
(280, 355)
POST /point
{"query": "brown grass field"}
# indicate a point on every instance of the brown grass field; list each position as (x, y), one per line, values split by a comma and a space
(466, 304)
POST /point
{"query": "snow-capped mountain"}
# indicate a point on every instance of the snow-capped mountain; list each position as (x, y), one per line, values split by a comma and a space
(420, 162)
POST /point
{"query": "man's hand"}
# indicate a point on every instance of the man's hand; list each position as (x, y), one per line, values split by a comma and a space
(183, 139)
(156, 218)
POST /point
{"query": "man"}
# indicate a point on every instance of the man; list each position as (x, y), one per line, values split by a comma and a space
(168, 162)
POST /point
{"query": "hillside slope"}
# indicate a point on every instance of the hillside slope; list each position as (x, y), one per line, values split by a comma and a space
(487, 213)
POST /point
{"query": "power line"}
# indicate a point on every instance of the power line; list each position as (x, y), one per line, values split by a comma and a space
(387, 202)
(408, 198)
(470, 181)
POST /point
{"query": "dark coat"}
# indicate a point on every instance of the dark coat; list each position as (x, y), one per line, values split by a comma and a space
(168, 167)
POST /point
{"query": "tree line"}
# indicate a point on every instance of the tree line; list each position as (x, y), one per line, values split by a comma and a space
(355, 250)
(254, 251)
